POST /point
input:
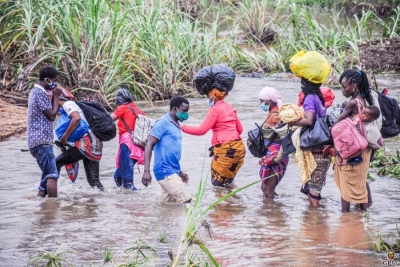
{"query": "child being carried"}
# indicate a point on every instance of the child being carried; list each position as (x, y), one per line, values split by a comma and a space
(372, 134)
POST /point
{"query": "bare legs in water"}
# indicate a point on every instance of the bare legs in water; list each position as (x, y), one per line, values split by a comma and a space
(51, 188)
(268, 186)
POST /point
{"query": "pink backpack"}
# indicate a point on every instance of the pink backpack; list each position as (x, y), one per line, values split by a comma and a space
(347, 139)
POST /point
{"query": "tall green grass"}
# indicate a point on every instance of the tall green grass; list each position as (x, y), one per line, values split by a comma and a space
(155, 47)
(150, 47)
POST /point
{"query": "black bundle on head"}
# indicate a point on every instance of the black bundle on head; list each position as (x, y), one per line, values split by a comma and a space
(359, 78)
(310, 88)
(123, 96)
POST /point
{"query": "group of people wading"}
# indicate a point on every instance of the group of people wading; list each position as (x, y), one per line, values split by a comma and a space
(227, 151)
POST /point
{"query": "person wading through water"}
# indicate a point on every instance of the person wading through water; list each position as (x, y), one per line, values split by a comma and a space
(228, 149)
(125, 157)
(88, 148)
(166, 139)
(274, 163)
(41, 114)
(314, 108)
(352, 179)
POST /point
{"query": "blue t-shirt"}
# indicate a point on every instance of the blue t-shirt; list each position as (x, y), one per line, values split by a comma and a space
(40, 128)
(168, 150)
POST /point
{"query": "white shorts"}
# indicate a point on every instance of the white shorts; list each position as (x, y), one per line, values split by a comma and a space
(174, 189)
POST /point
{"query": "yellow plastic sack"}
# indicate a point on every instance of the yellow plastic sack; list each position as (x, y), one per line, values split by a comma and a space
(310, 65)
(290, 113)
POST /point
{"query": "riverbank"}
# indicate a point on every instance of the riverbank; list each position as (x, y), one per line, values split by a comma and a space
(12, 119)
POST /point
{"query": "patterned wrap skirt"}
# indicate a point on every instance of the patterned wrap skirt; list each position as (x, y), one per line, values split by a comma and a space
(352, 179)
(269, 167)
(318, 176)
(226, 162)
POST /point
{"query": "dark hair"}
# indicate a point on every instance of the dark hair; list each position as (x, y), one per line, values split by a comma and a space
(310, 88)
(48, 72)
(177, 102)
(360, 78)
(374, 111)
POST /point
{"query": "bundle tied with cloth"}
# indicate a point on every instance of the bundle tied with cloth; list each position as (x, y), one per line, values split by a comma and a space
(310, 65)
(305, 160)
(219, 77)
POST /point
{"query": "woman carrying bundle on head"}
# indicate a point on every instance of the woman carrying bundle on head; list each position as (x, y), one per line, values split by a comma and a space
(314, 108)
(227, 146)
(274, 163)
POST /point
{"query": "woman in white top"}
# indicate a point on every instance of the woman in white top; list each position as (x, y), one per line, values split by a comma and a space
(88, 148)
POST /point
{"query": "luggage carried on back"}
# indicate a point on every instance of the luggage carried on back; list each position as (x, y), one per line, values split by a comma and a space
(100, 122)
(143, 126)
(327, 93)
(390, 114)
(63, 123)
(255, 142)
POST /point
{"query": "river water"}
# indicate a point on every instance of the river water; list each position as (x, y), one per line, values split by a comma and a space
(247, 230)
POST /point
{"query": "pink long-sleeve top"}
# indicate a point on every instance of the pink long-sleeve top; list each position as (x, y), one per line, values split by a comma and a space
(222, 120)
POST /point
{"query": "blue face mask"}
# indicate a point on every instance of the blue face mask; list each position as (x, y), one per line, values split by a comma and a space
(182, 116)
(52, 84)
(264, 107)
(210, 103)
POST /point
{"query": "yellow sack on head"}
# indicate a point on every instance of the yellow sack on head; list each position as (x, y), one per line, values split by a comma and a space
(310, 65)
(290, 113)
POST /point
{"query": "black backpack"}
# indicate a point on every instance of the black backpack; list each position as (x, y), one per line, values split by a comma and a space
(100, 122)
(255, 142)
(390, 116)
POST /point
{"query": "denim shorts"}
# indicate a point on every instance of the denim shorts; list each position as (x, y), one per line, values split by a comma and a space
(46, 160)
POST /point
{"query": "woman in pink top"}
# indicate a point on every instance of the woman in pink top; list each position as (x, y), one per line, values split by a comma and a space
(228, 149)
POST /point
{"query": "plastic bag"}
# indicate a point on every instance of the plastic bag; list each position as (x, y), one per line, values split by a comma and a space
(216, 76)
(62, 125)
(310, 65)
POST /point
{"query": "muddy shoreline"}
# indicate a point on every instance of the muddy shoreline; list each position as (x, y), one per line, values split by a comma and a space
(12, 120)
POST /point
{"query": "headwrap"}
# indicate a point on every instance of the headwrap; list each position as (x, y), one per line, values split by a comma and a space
(270, 93)
(310, 88)
(310, 85)
(217, 94)
(123, 96)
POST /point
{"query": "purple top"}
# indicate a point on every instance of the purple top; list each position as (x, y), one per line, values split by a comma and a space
(313, 103)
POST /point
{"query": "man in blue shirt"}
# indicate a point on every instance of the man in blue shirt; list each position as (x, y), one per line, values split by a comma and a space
(41, 114)
(166, 139)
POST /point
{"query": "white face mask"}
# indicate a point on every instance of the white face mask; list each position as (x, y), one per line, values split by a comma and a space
(210, 103)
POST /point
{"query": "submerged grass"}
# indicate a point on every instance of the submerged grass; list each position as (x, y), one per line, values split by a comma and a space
(387, 165)
(385, 243)
(50, 260)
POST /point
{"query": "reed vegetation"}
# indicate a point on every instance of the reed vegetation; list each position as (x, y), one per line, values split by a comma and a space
(155, 47)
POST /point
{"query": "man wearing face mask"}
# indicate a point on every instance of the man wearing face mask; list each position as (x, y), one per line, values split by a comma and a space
(228, 149)
(166, 139)
(41, 113)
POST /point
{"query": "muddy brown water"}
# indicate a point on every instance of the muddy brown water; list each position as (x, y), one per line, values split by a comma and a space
(248, 230)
